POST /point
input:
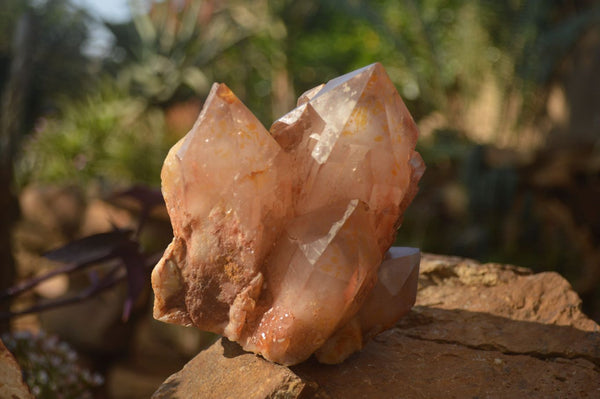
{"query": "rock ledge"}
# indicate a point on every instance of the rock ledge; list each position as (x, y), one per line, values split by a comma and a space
(477, 330)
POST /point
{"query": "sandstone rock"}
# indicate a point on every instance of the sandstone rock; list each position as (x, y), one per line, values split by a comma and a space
(226, 371)
(11, 381)
(477, 330)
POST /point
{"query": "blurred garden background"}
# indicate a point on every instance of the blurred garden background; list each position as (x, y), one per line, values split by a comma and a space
(505, 93)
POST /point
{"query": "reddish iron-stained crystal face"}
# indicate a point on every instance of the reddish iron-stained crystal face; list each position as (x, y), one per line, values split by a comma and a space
(280, 236)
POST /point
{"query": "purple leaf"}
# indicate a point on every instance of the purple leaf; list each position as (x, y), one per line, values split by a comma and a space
(92, 248)
(135, 265)
(147, 197)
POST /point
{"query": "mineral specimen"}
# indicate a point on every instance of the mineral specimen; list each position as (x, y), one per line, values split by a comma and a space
(279, 237)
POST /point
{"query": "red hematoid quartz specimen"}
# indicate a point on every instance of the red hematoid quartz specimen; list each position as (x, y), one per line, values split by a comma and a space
(280, 238)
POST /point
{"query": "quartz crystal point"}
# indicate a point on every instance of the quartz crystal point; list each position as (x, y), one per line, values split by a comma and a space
(280, 237)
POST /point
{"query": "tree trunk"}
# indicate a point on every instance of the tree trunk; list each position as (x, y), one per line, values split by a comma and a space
(12, 112)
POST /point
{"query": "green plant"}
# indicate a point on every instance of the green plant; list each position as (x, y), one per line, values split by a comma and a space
(108, 137)
(169, 53)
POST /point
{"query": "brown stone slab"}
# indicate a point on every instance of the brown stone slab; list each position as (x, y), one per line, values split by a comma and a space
(478, 331)
(225, 371)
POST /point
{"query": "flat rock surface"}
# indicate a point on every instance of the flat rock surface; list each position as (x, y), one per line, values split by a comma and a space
(488, 331)
(225, 371)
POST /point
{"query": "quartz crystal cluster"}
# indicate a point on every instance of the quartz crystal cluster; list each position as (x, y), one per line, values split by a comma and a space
(281, 238)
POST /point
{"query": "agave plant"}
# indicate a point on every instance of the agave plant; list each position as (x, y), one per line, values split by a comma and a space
(171, 51)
